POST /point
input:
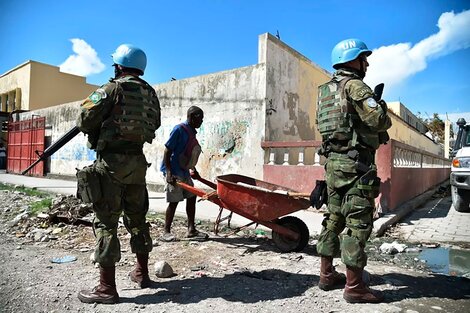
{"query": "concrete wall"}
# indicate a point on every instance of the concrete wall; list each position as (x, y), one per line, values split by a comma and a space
(406, 172)
(271, 102)
(406, 115)
(234, 106)
(402, 132)
(234, 115)
(43, 85)
(292, 89)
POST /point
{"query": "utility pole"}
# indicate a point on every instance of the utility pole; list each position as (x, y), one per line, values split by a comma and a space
(447, 125)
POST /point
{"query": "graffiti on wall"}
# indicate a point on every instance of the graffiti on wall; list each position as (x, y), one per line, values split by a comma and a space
(74, 151)
(223, 145)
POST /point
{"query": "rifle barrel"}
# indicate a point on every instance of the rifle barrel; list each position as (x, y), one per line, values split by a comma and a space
(54, 147)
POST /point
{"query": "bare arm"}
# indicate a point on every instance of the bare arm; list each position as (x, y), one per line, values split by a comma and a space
(166, 159)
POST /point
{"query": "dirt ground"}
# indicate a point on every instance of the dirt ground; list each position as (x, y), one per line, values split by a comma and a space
(244, 272)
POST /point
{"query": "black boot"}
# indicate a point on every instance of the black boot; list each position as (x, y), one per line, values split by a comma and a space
(105, 292)
(329, 277)
(140, 274)
(356, 291)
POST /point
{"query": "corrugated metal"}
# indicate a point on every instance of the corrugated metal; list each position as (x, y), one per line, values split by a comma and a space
(25, 141)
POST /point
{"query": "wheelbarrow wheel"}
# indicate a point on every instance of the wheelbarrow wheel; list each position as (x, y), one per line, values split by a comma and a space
(286, 244)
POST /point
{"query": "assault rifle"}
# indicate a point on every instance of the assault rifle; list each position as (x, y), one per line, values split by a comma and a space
(53, 148)
(378, 91)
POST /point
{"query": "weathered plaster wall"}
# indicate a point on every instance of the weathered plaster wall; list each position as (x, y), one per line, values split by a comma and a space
(234, 106)
(292, 87)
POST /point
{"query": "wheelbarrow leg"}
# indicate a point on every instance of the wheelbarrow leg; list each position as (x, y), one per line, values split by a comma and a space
(220, 219)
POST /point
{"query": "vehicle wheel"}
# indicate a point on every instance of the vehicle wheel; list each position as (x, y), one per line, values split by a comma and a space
(286, 244)
(460, 199)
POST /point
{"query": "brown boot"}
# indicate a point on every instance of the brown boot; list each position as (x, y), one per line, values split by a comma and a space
(105, 292)
(356, 291)
(140, 274)
(329, 277)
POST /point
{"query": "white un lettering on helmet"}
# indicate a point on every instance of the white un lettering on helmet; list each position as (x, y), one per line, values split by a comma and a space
(349, 44)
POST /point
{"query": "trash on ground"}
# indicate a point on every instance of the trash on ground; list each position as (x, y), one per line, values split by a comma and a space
(392, 248)
(64, 259)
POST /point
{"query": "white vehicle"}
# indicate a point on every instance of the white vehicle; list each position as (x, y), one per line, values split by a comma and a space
(460, 172)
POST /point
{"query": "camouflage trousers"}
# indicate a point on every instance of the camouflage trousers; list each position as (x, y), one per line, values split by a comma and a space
(120, 197)
(349, 206)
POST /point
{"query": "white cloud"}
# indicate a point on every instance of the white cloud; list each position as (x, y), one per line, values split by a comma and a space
(84, 62)
(395, 63)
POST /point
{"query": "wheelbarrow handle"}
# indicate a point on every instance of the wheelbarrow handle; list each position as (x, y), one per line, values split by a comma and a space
(292, 194)
(203, 180)
(298, 194)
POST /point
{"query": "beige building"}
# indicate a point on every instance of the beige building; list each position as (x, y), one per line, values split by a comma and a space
(408, 128)
(409, 118)
(34, 85)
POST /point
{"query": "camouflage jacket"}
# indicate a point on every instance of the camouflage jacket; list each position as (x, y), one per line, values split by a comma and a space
(120, 115)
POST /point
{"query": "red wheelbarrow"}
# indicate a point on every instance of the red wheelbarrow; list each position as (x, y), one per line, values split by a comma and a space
(261, 202)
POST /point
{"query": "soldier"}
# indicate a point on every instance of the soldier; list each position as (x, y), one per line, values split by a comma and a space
(350, 121)
(119, 118)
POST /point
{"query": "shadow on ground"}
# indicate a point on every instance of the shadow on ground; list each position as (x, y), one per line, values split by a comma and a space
(257, 244)
(432, 286)
(245, 287)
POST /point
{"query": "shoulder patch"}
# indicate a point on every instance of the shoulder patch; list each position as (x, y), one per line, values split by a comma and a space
(87, 104)
(371, 103)
(362, 92)
(99, 94)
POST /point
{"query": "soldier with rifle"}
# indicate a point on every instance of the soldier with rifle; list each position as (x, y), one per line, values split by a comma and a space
(353, 122)
(119, 118)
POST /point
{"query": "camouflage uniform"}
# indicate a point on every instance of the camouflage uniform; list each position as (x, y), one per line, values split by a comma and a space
(350, 133)
(119, 118)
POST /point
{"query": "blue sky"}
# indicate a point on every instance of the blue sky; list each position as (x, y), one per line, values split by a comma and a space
(423, 46)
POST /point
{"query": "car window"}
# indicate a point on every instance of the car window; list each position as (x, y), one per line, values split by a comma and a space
(466, 139)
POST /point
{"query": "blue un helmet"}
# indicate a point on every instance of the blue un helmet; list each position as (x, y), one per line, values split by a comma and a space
(348, 50)
(130, 56)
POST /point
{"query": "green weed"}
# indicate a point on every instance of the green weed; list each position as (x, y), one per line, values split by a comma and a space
(28, 191)
(39, 206)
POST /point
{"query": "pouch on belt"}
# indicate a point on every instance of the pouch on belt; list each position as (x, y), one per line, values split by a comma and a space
(369, 184)
(89, 184)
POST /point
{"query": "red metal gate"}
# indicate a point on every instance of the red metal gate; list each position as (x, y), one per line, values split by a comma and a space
(24, 139)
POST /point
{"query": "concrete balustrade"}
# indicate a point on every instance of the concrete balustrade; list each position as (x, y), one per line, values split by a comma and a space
(405, 171)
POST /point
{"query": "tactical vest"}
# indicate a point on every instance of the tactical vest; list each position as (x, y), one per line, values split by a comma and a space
(338, 122)
(336, 116)
(136, 115)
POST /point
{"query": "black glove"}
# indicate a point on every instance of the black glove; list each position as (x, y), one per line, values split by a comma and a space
(319, 195)
(384, 106)
(383, 138)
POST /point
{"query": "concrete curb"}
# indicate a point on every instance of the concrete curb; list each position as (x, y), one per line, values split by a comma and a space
(385, 222)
